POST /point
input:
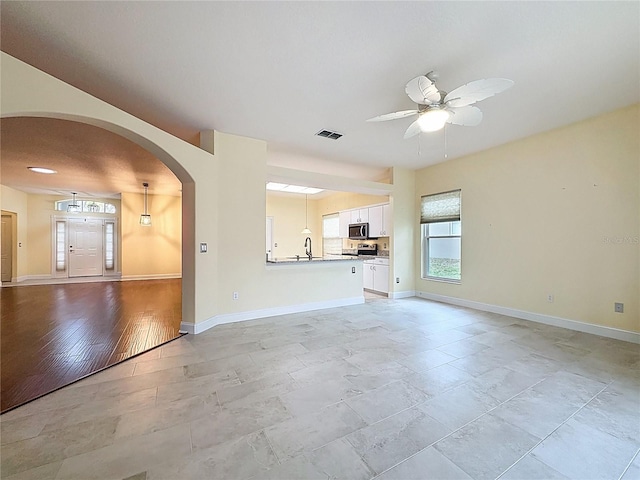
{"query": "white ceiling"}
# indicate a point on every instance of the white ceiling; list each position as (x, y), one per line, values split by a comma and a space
(282, 71)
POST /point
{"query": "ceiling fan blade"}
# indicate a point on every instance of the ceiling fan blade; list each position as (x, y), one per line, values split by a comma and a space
(475, 91)
(422, 91)
(413, 130)
(467, 116)
(393, 116)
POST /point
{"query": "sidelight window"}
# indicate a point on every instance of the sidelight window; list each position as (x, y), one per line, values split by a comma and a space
(109, 246)
(60, 246)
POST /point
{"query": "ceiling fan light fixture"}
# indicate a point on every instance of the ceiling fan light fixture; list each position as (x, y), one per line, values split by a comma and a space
(433, 120)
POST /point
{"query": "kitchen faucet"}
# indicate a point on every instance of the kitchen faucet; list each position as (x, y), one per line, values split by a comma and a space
(308, 252)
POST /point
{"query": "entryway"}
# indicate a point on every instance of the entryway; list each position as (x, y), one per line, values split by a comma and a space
(85, 247)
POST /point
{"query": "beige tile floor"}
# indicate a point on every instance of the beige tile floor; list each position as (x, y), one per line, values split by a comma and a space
(391, 389)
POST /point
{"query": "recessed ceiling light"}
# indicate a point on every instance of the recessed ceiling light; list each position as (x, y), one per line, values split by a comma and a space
(42, 170)
(283, 187)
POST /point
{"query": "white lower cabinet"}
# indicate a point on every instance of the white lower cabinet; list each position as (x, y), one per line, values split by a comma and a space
(375, 275)
(367, 275)
(381, 278)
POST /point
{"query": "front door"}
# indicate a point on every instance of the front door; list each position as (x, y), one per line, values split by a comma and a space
(85, 247)
(7, 248)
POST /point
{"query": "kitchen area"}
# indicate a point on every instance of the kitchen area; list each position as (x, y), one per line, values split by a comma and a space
(314, 226)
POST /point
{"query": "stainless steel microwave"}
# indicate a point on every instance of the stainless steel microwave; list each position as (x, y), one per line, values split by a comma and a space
(358, 231)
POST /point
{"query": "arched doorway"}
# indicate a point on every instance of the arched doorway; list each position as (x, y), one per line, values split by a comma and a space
(187, 205)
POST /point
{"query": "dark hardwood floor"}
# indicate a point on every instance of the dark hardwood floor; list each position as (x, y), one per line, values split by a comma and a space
(53, 335)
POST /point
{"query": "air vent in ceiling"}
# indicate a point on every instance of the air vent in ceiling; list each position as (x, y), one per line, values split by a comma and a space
(329, 134)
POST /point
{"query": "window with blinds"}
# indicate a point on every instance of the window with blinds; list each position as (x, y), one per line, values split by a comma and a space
(331, 241)
(441, 236)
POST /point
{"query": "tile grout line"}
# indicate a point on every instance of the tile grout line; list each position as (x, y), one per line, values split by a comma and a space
(629, 465)
(554, 430)
(459, 428)
(275, 454)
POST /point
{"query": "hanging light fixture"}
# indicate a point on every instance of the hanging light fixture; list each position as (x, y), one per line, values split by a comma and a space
(306, 215)
(145, 218)
(73, 207)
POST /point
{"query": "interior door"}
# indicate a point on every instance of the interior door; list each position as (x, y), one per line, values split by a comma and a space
(85, 247)
(7, 248)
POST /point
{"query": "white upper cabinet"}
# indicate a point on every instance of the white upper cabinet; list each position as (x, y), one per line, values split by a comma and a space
(360, 215)
(380, 220)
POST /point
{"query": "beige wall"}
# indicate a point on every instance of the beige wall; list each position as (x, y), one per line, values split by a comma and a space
(155, 250)
(16, 202)
(556, 213)
(348, 200)
(404, 231)
(288, 214)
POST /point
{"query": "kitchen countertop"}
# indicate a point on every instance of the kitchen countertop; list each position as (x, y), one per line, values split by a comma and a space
(304, 259)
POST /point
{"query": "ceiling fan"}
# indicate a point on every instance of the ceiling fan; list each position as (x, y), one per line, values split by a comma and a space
(435, 107)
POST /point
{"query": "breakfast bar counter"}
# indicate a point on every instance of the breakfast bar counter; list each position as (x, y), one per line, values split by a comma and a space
(301, 260)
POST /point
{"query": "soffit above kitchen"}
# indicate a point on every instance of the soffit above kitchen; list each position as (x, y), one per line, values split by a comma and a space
(283, 71)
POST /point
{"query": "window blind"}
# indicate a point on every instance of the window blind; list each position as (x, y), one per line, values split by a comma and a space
(441, 207)
(331, 241)
(331, 226)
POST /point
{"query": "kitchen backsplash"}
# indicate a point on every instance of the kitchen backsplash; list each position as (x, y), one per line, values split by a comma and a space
(348, 251)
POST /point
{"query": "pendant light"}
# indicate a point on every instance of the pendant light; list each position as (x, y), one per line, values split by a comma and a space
(306, 215)
(73, 207)
(145, 218)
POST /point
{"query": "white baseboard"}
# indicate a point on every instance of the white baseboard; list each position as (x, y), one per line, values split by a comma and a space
(158, 276)
(28, 278)
(195, 328)
(404, 294)
(576, 325)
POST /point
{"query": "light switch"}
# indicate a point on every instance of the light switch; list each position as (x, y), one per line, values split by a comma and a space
(203, 248)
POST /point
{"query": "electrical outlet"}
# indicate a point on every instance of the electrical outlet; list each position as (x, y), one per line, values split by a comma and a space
(236, 295)
(203, 248)
(397, 279)
(618, 307)
(550, 298)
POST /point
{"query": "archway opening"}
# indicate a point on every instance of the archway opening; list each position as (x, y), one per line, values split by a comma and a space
(186, 205)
